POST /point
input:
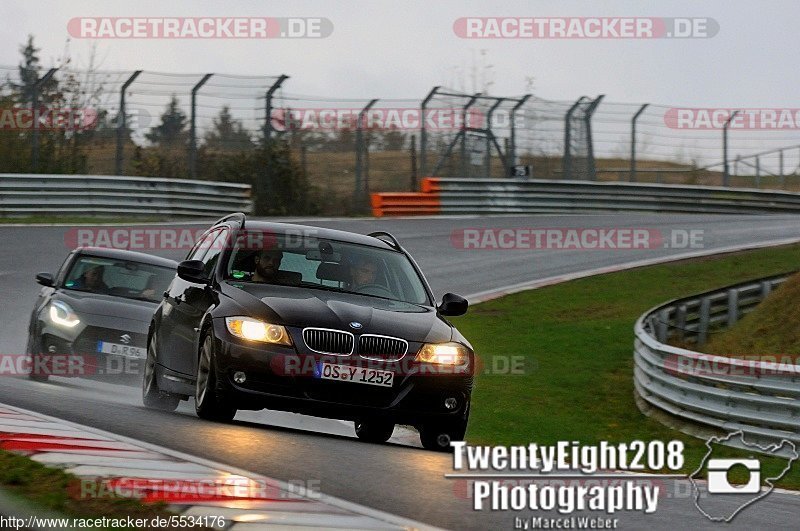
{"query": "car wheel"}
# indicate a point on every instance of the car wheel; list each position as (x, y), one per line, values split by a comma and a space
(152, 396)
(437, 435)
(374, 431)
(35, 357)
(209, 402)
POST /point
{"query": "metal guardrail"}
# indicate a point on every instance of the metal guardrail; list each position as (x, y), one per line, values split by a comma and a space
(759, 397)
(35, 194)
(509, 196)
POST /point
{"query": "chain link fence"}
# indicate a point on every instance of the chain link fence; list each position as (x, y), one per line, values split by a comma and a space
(331, 153)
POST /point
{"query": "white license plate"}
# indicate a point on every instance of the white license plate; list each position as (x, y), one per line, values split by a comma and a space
(121, 350)
(343, 373)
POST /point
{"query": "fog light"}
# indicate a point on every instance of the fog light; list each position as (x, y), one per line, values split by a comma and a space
(450, 403)
(239, 377)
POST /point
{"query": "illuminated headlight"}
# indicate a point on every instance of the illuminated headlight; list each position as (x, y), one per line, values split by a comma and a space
(443, 353)
(255, 330)
(62, 315)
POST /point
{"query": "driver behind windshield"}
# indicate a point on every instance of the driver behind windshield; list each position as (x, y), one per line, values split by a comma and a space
(363, 272)
(267, 263)
(92, 280)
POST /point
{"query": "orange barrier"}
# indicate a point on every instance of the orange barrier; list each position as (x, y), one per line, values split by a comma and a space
(421, 203)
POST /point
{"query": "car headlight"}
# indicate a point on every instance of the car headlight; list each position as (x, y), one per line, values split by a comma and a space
(443, 353)
(255, 330)
(62, 315)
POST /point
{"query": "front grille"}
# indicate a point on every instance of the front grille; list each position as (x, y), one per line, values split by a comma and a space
(382, 348)
(91, 336)
(325, 341)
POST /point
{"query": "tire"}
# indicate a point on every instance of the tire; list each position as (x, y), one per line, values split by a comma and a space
(152, 396)
(34, 354)
(210, 402)
(436, 436)
(374, 431)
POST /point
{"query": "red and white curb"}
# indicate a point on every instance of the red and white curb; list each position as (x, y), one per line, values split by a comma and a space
(192, 486)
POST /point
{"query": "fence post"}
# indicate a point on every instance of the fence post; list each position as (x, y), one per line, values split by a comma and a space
(758, 172)
(423, 132)
(726, 171)
(35, 104)
(413, 163)
(358, 196)
(464, 111)
(265, 187)
(122, 123)
(566, 161)
(780, 166)
(632, 177)
(512, 148)
(193, 128)
(590, 145)
(488, 157)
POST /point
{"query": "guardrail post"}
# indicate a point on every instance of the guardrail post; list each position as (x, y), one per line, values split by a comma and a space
(726, 171)
(358, 192)
(766, 289)
(512, 148)
(35, 104)
(702, 325)
(632, 177)
(662, 326)
(733, 307)
(423, 132)
(680, 322)
(193, 128)
(122, 123)
(264, 188)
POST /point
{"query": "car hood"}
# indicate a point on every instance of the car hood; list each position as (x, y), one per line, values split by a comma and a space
(105, 305)
(303, 308)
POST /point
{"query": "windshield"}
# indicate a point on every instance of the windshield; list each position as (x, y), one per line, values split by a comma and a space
(119, 278)
(306, 261)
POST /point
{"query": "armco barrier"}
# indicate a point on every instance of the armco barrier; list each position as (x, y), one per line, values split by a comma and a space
(34, 194)
(508, 196)
(761, 398)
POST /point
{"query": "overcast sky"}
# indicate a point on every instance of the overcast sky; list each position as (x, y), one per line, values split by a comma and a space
(400, 49)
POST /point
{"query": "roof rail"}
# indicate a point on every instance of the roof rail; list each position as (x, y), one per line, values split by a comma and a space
(238, 216)
(383, 234)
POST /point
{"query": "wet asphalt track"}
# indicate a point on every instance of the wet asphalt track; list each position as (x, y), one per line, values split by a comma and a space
(394, 477)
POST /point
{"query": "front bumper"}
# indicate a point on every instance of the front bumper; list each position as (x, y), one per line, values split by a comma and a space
(281, 378)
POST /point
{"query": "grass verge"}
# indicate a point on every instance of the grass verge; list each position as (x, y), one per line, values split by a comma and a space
(56, 491)
(577, 342)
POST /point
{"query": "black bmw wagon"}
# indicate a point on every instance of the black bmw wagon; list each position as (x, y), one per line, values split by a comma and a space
(314, 321)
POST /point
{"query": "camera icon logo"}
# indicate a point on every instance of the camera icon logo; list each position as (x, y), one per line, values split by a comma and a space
(718, 476)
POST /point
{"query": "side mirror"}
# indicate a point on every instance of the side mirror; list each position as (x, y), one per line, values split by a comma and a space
(192, 271)
(453, 305)
(45, 279)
